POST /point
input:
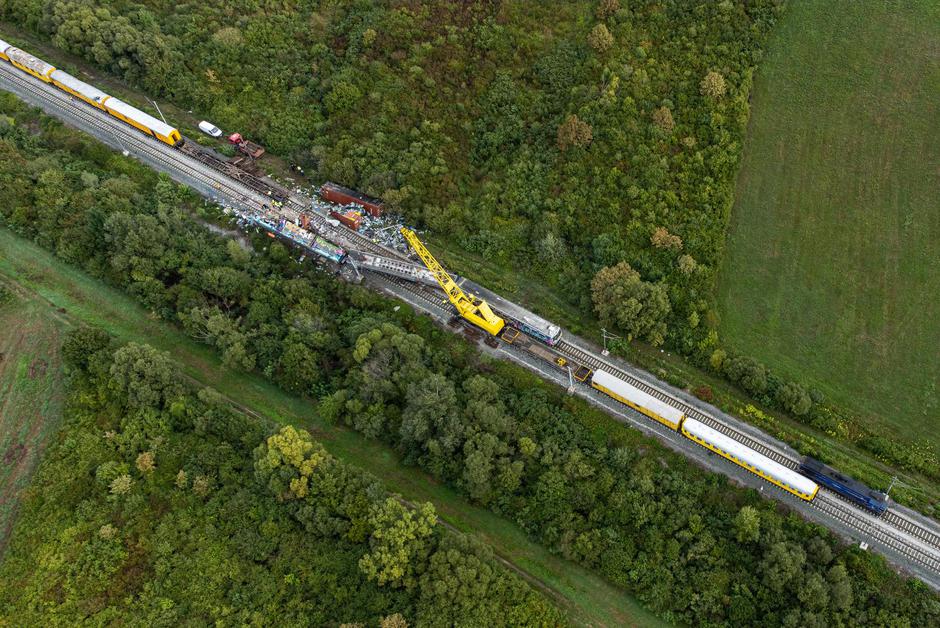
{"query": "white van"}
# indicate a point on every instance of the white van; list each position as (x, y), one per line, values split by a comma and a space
(209, 129)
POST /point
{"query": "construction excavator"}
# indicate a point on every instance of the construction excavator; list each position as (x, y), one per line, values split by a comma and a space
(468, 306)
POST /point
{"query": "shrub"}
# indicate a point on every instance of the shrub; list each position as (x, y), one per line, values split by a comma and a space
(794, 398)
(600, 39)
(705, 393)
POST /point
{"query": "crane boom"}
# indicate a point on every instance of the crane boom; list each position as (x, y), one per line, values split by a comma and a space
(470, 307)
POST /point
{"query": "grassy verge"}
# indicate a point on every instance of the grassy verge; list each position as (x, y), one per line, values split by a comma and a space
(590, 600)
(832, 273)
(31, 394)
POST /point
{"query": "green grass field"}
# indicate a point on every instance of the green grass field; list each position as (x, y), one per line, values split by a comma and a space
(31, 394)
(589, 599)
(832, 274)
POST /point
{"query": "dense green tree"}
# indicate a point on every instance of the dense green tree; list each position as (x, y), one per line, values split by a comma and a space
(399, 543)
(713, 85)
(224, 549)
(600, 38)
(623, 300)
(747, 524)
(794, 398)
(146, 376)
(574, 133)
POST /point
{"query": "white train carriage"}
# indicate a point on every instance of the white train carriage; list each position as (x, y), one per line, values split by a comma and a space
(756, 463)
(30, 64)
(4, 46)
(637, 399)
(89, 93)
(146, 123)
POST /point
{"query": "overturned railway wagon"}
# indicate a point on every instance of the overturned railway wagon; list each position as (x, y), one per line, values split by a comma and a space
(336, 193)
(295, 234)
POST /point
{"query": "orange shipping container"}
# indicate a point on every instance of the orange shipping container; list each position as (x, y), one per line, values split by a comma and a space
(350, 219)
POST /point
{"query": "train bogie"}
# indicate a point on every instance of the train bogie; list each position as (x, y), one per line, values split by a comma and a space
(637, 399)
(745, 457)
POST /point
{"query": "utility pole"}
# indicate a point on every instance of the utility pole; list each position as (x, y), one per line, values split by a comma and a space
(607, 335)
(124, 150)
(570, 381)
(890, 486)
(158, 111)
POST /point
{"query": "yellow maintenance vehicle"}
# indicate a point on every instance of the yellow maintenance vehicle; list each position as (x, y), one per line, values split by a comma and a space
(469, 307)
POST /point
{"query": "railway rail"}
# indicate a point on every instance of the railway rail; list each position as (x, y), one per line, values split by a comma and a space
(168, 158)
(923, 546)
(915, 542)
(832, 505)
(579, 355)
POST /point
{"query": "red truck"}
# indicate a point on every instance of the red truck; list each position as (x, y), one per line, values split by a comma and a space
(344, 196)
(249, 148)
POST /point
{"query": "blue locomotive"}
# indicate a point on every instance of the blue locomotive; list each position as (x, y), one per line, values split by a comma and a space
(853, 490)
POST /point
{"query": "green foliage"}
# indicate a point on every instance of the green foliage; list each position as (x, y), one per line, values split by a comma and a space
(794, 398)
(747, 524)
(81, 345)
(520, 130)
(600, 39)
(399, 543)
(151, 552)
(574, 132)
(626, 302)
(590, 490)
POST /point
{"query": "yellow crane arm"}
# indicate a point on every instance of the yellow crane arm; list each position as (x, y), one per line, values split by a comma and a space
(471, 308)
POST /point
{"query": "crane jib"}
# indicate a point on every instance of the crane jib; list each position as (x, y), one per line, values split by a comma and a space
(469, 307)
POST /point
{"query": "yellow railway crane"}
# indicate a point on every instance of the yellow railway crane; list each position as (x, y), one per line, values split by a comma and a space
(470, 307)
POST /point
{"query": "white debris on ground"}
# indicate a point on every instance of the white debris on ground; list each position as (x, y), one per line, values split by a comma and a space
(278, 220)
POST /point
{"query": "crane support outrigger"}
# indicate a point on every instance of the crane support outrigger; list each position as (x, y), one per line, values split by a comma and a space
(469, 307)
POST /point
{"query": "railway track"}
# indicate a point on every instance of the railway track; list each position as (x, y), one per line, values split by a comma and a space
(579, 355)
(925, 548)
(898, 520)
(827, 501)
(891, 517)
(830, 504)
(168, 158)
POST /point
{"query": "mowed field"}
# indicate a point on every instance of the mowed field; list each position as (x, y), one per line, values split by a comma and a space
(832, 273)
(31, 394)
